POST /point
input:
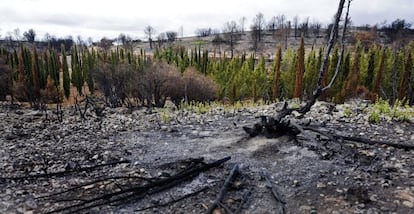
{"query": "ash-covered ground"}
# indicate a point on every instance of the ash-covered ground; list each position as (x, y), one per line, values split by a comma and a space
(311, 173)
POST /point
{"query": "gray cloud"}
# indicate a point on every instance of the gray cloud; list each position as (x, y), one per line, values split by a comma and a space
(109, 18)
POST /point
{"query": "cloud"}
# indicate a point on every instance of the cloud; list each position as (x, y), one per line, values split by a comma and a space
(100, 18)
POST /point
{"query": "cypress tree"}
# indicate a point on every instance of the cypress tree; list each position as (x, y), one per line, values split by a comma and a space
(349, 89)
(403, 89)
(370, 72)
(380, 72)
(260, 80)
(300, 70)
(276, 73)
(35, 76)
(77, 77)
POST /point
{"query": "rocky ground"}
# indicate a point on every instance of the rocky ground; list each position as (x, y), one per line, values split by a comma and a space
(312, 174)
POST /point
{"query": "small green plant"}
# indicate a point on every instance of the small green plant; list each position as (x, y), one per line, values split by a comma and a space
(295, 103)
(382, 106)
(165, 116)
(374, 117)
(347, 111)
(397, 112)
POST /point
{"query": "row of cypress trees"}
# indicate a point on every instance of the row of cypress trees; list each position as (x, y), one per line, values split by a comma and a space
(367, 72)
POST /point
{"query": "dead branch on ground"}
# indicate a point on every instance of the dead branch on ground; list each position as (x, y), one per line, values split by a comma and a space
(223, 190)
(269, 184)
(135, 192)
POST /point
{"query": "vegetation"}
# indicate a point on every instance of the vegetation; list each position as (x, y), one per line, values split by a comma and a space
(127, 77)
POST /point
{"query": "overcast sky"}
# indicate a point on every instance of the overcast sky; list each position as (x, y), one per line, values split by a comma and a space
(98, 18)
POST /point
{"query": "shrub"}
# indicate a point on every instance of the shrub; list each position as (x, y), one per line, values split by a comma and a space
(113, 80)
(199, 87)
(157, 80)
(51, 94)
(4, 79)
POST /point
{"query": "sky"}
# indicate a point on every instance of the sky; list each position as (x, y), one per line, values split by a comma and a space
(109, 18)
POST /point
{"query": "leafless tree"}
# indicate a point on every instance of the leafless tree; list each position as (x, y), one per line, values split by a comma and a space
(105, 43)
(315, 28)
(17, 35)
(296, 25)
(149, 31)
(80, 41)
(271, 24)
(257, 30)
(203, 32)
(304, 27)
(218, 41)
(161, 39)
(90, 41)
(171, 36)
(242, 22)
(288, 29)
(125, 40)
(231, 35)
(30, 35)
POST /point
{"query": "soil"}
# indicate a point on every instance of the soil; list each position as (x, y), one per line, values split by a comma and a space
(311, 173)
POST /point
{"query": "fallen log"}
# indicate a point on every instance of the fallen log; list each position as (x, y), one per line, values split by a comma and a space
(173, 201)
(137, 192)
(279, 199)
(336, 137)
(244, 200)
(223, 190)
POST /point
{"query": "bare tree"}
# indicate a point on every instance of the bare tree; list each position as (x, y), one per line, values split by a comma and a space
(161, 39)
(242, 22)
(296, 25)
(268, 124)
(272, 24)
(171, 36)
(17, 35)
(30, 35)
(105, 43)
(125, 40)
(149, 31)
(280, 21)
(315, 28)
(304, 27)
(203, 32)
(287, 30)
(257, 30)
(90, 41)
(231, 35)
(79, 40)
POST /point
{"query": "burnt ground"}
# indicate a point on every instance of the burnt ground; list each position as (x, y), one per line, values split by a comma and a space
(311, 174)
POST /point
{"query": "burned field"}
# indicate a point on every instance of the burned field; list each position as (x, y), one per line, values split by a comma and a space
(145, 162)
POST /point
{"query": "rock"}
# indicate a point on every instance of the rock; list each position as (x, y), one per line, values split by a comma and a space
(399, 130)
(320, 185)
(408, 204)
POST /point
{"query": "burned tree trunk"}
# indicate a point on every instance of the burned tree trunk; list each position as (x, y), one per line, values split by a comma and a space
(277, 126)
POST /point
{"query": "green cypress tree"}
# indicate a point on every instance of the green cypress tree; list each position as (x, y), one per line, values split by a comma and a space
(370, 71)
(260, 80)
(300, 70)
(352, 82)
(276, 73)
(77, 77)
(403, 89)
